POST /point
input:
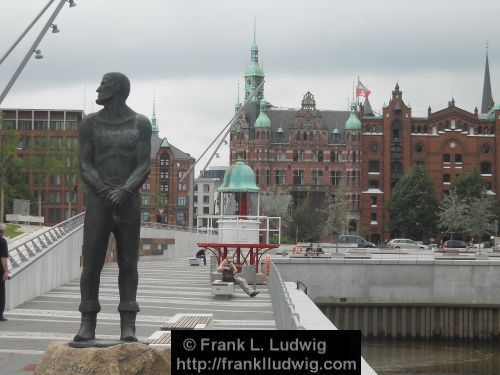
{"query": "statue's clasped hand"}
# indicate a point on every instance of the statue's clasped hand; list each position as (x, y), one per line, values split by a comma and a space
(116, 197)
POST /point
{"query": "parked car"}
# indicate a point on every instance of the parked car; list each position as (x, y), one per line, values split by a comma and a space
(454, 244)
(353, 239)
(404, 243)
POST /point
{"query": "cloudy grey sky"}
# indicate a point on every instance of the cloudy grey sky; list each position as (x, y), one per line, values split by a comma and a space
(192, 53)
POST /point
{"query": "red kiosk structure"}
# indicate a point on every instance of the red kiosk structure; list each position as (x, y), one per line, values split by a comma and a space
(239, 229)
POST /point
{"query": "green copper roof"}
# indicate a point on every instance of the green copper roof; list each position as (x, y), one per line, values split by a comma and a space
(491, 113)
(154, 125)
(239, 178)
(353, 122)
(164, 143)
(263, 120)
(254, 69)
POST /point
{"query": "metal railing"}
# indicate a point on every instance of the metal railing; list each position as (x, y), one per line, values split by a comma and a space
(284, 310)
(26, 251)
(155, 225)
(262, 229)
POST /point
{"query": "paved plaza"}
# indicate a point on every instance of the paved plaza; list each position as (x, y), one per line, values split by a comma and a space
(166, 287)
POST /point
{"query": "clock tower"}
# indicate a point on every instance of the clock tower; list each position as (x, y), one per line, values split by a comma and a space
(254, 75)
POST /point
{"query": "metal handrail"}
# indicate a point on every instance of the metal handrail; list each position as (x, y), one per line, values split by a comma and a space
(33, 247)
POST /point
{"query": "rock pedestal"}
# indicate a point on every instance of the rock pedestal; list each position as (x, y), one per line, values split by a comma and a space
(123, 359)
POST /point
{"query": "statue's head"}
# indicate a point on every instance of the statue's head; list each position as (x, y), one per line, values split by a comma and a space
(113, 85)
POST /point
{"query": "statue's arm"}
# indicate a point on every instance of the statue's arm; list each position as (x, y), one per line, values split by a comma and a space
(88, 173)
(143, 156)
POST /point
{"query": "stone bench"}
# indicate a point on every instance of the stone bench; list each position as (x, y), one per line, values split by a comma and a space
(161, 339)
(188, 321)
(194, 261)
(222, 288)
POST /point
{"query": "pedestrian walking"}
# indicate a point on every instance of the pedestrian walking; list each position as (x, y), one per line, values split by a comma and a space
(4, 270)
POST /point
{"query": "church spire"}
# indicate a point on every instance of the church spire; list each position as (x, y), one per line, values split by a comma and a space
(254, 73)
(153, 119)
(487, 102)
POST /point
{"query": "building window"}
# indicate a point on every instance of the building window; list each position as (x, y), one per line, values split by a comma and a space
(163, 188)
(206, 188)
(317, 178)
(446, 177)
(206, 199)
(420, 163)
(182, 187)
(485, 149)
(145, 216)
(396, 131)
(146, 187)
(164, 160)
(485, 167)
(206, 210)
(373, 217)
(163, 175)
(355, 201)
(55, 197)
(280, 177)
(146, 200)
(373, 184)
(55, 180)
(396, 152)
(458, 158)
(419, 148)
(280, 155)
(70, 196)
(298, 177)
(373, 200)
(373, 166)
(181, 201)
(373, 147)
(195, 199)
(446, 158)
(180, 217)
(54, 215)
(335, 178)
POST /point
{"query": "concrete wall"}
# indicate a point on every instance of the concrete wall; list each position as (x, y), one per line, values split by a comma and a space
(463, 282)
(185, 242)
(58, 264)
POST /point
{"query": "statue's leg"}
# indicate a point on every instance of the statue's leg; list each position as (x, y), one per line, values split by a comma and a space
(127, 239)
(95, 242)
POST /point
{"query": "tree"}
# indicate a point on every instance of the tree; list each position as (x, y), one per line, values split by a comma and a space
(337, 212)
(413, 205)
(13, 177)
(472, 216)
(480, 219)
(47, 158)
(306, 224)
(469, 184)
(452, 213)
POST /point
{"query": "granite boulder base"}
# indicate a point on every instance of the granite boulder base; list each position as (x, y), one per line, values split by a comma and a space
(123, 359)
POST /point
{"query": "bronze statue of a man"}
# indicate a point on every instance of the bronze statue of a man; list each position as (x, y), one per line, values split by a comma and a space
(115, 146)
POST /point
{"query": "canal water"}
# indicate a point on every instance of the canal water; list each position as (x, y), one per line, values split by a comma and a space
(431, 357)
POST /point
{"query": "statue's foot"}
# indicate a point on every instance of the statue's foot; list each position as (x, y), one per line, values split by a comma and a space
(127, 325)
(87, 327)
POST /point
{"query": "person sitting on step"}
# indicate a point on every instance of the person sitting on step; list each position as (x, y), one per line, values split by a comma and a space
(228, 269)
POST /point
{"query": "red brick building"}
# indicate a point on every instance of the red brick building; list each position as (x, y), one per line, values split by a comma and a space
(167, 196)
(59, 193)
(307, 152)
(446, 143)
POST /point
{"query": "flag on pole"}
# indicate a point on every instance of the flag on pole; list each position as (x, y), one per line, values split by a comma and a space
(362, 90)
